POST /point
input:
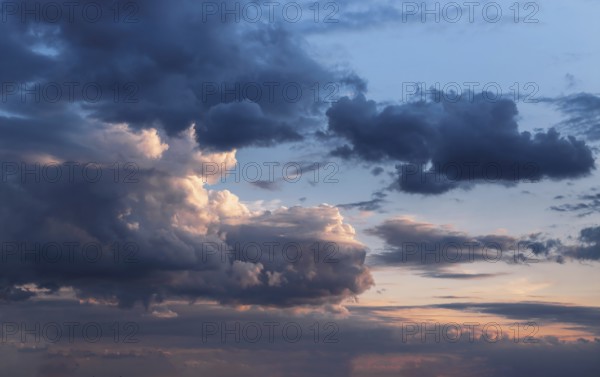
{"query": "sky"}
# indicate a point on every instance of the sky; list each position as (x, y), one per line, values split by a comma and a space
(337, 188)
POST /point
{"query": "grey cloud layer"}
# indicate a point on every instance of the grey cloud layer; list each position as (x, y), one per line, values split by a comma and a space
(432, 250)
(370, 343)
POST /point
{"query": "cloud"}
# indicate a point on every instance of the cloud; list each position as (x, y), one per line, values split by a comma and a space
(240, 124)
(441, 146)
(266, 185)
(590, 203)
(241, 83)
(589, 247)
(377, 170)
(583, 112)
(449, 275)
(425, 245)
(161, 206)
(166, 94)
(587, 316)
(434, 250)
(368, 205)
(178, 345)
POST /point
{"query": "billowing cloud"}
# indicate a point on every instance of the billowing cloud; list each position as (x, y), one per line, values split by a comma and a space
(119, 118)
(171, 234)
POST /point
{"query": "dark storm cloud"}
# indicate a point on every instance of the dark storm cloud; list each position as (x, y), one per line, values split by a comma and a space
(394, 133)
(242, 124)
(440, 146)
(170, 68)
